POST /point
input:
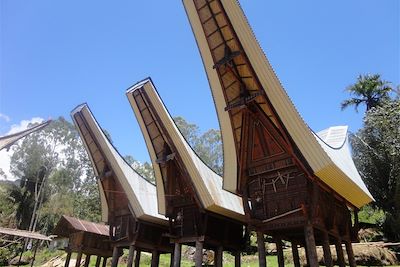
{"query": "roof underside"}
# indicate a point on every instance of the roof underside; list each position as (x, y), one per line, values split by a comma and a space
(219, 24)
(141, 193)
(207, 183)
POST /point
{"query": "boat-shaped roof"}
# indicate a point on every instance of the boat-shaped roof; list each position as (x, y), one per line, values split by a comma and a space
(8, 140)
(225, 22)
(208, 184)
(140, 192)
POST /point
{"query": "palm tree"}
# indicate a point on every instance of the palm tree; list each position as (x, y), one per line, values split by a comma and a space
(369, 90)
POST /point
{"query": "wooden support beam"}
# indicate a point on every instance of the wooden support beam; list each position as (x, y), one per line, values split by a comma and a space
(87, 260)
(237, 259)
(177, 255)
(155, 258)
(68, 259)
(105, 261)
(261, 250)
(115, 257)
(350, 254)
(218, 256)
(137, 258)
(98, 260)
(310, 244)
(131, 256)
(295, 253)
(78, 259)
(199, 253)
(279, 249)
(327, 249)
(339, 252)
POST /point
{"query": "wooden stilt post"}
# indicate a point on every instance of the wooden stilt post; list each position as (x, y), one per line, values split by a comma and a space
(218, 256)
(105, 261)
(155, 258)
(327, 250)
(199, 254)
(115, 257)
(131, 255)
(279, 249)
(237, 259)
(137, 258)
(310, 244)
(350, 254)
(339, 252)
(177, 255)
(261, 250)
(67, 260)
(87, 260)
(78, 259)
(171, 259)
(295, 253)
(98, 260)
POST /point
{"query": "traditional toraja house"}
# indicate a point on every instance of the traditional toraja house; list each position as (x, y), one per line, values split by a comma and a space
(8, 140)
(295, 186)
(84, 238)
(190, 194)
(129, 202)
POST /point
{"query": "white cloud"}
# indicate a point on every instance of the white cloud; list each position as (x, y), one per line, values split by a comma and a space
(4, 117)
(5, 156)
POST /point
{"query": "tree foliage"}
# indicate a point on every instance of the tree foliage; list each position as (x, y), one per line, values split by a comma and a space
(369, 90)
(376, 151)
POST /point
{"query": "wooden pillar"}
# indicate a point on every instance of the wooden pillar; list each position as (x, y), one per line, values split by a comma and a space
(177, 255)
(155, 258)
(218, 258)
(115, 257)
(98, 260)
(279, 250)
(295, 253)
(105, 261)
(137, 258)
(327, 249)
(199, 254)
(78, 259)
(261, 250)
(339, 252)
(131, 256)
(87, 260)
(350, 254)
(237, 259)
(310, 244)
(67, 260)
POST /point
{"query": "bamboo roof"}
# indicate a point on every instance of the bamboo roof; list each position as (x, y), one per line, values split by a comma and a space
(67, 225)
(220, 23)
(8, 140)
(140, 192)
(208, 184)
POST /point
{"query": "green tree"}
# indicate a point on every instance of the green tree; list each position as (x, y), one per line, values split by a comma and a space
(369, 90)
(376, 151)
(144, 169)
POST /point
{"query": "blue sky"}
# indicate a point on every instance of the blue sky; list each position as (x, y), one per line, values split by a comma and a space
(58, 54)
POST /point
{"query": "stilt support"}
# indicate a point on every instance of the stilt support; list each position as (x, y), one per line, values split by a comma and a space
(78, 259)
(115, 257)
(295, 253)
(310, 244)
(87, 260)
(350, 254)
(261, 250)
(155, 258)
(199, 254)
(339, 252)
(327, 250)
(98, 260)
(279, 249)
(131, 256)
(105, 261)
(137, 258)
(67, 260)
(218, 256)
(237, 259)
(177, 255)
